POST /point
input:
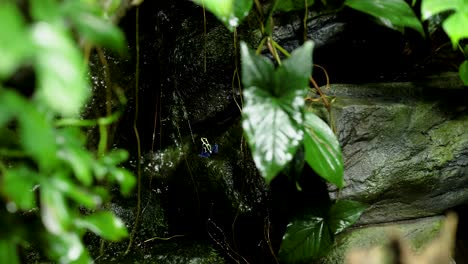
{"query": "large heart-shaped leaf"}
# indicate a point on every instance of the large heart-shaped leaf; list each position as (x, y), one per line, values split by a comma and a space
(272, 115)
(343, 214)
(395, 14)
(230, 12)
(322, 150)
(432, 7)
(456, 26)
(305, 239)
(290, 5)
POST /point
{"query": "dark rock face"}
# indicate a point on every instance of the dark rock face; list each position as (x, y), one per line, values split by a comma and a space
(405, 148)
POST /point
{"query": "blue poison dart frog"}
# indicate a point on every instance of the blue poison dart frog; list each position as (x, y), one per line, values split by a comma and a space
(207, 149)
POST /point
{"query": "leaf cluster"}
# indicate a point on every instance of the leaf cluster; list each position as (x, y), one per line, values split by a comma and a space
(45, 168)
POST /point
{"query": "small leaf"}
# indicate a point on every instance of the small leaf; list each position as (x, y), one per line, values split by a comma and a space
(103, 224)
(18, 184)
(343, 214)
(60, 69)
(125, 179)
(115, 157)
(392, 13)
(15, 44)
(67, 248)
(322, 150)
(78, 194)
(432, 7)
(290, 5)
(456, 26)
(230, 12)
(8, 252)
(463, 72)
(305, 240)
(54, 209)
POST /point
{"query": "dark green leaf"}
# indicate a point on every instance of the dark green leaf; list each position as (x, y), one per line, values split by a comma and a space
(230, 12)
(104, 224)
(68, 248)
(60, 69)
(392, 13)
(343, 214)
(124, 178)
(54, 209)
(272, 116)
(8, 252)
(290, 5)
(10, 104)
(322, 150)
(256, 70)
(456, 26)
(432, 7)
(18, 184)
(305, 240)
(463, 72)
(15, 42)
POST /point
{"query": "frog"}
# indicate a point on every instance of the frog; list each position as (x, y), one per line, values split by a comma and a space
(207, 148)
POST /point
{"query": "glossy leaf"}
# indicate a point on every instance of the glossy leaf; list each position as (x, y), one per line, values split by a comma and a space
(343, 214)
(456, 26)
(463, 72)
(8, 252)
(272, 116)
(125, 179)
(54, 209)
(290, 5)
(67, 248)
(432, 7)
(15, 41)
(230, 12)
(322, 150)
(60, 69)
(392, 13)
(305, 240)
(104, 224)
(18, 184)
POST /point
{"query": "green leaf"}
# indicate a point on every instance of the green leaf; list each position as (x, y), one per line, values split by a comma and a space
(37, 136)
(432, 7)
(392, 13)
(115, 157)
(272, 115)
(45, 10)
(463, 72)
(67, 248)
(456, 26)
(54, 209)
(230, 12)
(103, 224)
(78, 194)
(60, 69)
(15, 42)
(290, 5)
(305, 240)
(125, 179)
(18, 183)
(99, 31)
(8, 252)
(322, 150)
(343, 214)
